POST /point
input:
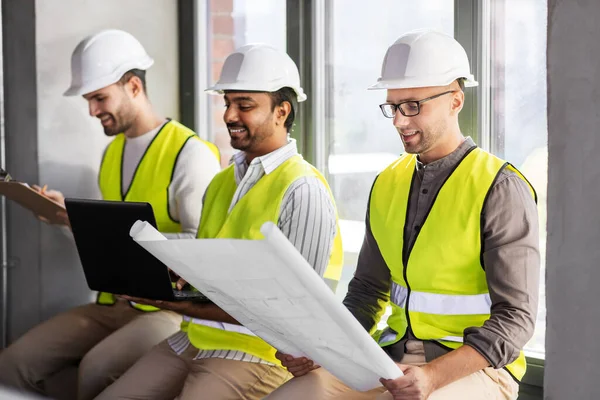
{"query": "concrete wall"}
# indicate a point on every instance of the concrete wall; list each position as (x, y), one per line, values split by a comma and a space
(70, 143)
(20, 125)
(573, 266)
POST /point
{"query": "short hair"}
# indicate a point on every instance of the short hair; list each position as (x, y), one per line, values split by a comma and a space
(140, 73)
(461, 83)
(285, 94)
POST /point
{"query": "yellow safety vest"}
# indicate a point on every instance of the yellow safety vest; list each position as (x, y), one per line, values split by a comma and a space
(259, 205)
(441, 278)
(150, 181)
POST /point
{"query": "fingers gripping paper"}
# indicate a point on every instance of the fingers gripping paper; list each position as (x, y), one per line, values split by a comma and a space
(272, 290)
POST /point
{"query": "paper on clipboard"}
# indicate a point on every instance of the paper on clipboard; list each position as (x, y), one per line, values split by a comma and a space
(32, 200)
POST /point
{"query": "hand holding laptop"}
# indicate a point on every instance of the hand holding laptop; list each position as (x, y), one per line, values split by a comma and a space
(180, 283)
(181, 307)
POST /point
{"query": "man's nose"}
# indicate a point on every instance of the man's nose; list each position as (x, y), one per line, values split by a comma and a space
(230, 116)
(400, 120)
(93, 109)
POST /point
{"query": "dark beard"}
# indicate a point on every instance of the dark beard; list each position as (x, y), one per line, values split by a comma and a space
(110, 131)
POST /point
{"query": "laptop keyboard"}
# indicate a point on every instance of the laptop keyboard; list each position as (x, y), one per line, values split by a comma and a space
(189, 294)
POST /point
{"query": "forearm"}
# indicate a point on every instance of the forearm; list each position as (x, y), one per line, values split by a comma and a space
(455, 365)
(368, 291)
(503, 336)
(365, 301)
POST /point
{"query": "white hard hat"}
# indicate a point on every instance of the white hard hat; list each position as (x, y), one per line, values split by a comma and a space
(102, 59)
(424, 58)
(258, 67)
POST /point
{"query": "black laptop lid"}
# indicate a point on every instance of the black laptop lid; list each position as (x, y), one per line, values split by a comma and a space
(112, 261)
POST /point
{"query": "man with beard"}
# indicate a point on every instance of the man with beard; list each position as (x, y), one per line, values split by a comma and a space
(451, 244)
(151, 159)
(213, 357)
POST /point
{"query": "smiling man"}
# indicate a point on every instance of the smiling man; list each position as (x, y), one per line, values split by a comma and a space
(451, 243)
(213, 357)
(151, 159)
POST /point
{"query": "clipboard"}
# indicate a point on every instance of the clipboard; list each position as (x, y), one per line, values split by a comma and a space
(27, 197)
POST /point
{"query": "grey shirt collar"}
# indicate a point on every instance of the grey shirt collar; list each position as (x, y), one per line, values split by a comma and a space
(450, 160)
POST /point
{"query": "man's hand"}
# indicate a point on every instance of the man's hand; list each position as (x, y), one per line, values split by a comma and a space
(57, 197)
(420, 382)
(415, 384)
(53, 195)
(177, 306)
(296, 366)
(179, 281)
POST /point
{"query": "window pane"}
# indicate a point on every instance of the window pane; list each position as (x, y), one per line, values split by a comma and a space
(234, 23)
(363, 141)
(519, 125)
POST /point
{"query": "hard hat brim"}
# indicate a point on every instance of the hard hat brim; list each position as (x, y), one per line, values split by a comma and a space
(418, 83)
(114, 77)
(220, 88)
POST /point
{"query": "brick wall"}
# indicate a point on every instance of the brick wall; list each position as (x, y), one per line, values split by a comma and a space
(222, 43)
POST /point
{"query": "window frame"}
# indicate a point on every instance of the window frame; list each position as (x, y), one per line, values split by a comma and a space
(306, 33)
(473, 30)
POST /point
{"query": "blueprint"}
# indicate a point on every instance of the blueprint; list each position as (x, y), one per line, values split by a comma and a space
(271, 289)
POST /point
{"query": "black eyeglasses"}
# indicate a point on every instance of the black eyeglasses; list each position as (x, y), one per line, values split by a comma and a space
(407, 108)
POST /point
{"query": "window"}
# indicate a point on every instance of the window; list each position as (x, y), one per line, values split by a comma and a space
(517, 86)
(510, 66)
(231, 24)
(363, 142)
(346, 42)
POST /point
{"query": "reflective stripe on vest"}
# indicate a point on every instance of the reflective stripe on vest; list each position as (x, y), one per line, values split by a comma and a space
(439, 287)
(442, 304)
(244, 222)
(150, 182)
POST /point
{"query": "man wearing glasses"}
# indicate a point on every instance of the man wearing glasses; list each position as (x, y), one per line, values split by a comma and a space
(451, 244)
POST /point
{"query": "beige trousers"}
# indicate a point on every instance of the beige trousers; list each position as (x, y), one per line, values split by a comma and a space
(487, 384)
(103, 340)
(162, 374)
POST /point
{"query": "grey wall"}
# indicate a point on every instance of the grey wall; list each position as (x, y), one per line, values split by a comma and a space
(573, 266)
(69, 142)
(23, 231)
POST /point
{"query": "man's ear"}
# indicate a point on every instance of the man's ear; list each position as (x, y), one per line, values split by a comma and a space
(135, 86)
(457, 103)
(283, 110)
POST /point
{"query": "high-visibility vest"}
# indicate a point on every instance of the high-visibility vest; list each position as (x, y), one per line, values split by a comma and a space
(439, 286)
(261, 204)
(150, 181)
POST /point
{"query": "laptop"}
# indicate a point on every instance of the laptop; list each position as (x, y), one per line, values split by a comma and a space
(112, 261)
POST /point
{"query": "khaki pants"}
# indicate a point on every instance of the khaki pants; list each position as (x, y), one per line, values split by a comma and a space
(487, 384)
(103, 340)
(162, 374)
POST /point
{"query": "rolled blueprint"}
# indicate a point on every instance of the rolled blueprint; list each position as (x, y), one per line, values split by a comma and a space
(272, 291)
(139, 231)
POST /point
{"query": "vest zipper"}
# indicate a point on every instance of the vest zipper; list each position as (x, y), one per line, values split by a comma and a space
(406, 250)
(405, 255)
